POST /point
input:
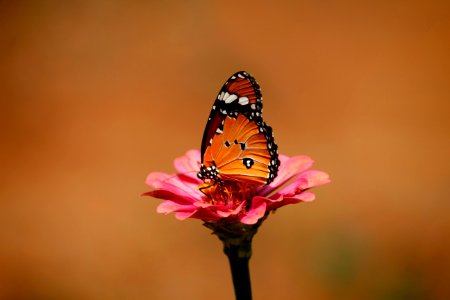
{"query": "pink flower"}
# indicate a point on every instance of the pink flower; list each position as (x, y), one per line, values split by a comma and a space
(234, 202)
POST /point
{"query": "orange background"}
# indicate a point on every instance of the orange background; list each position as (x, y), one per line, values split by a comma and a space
(96, 94)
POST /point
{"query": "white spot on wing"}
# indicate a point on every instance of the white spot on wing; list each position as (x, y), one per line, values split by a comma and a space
(224, 96)
(230, 98)
(243, 100)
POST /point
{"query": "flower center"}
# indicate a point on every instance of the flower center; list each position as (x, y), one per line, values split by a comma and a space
(228, 193)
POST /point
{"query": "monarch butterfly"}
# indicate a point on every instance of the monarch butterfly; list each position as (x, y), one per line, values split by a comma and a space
(237, 145)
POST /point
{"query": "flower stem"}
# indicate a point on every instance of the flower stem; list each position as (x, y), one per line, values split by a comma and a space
(237, 245)
(239, 256)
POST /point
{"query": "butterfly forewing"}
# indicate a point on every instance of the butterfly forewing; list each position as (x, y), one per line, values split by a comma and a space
(237, 144)
(240, 94)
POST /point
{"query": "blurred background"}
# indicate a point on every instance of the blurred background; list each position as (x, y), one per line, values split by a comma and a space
(97, 94)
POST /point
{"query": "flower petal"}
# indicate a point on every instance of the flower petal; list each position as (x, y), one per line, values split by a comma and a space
(206, 215)
(172, 187)
(316, 178)
(203, 204)
(256, 212)
(183, 215)
(228, 212)
(289, 168)
(305, 181)
(168, 206)
(305, 197)
(189, 164)
(273, 204)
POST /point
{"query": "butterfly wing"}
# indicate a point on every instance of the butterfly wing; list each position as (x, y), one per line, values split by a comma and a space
(239, 94)
(237, 144)
(241, 152)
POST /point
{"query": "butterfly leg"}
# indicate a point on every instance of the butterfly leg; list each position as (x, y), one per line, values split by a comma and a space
(208, 190)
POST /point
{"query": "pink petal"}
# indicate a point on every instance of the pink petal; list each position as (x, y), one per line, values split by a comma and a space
(168, 206)
(189, 164)
(206, 214)
(154, 179)
(227, 213)
(305, 181)
(279, 202)
(306, 196)
(165, 195)
(303, 197)
(274, 203)
(203, 204)
(165, 185)
(289, 168)
(183, 215)
(255, 213)
(316, 178)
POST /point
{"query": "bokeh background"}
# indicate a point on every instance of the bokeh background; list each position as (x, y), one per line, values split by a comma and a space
(96, 94)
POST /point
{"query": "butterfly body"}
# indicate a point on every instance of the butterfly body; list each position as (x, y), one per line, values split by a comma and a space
(237, 145)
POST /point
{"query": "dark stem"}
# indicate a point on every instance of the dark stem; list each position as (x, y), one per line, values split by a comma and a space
(239, 258)
(237, 245)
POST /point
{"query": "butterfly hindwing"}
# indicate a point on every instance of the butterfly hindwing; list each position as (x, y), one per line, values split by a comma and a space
(240, 152)
(237, 144)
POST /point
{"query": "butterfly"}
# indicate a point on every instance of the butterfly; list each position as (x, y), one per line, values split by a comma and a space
(237, 145)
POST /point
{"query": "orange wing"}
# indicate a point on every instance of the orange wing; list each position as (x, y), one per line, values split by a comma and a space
(237, 144)
(240, 94)
(240, 152)
(243, 87)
